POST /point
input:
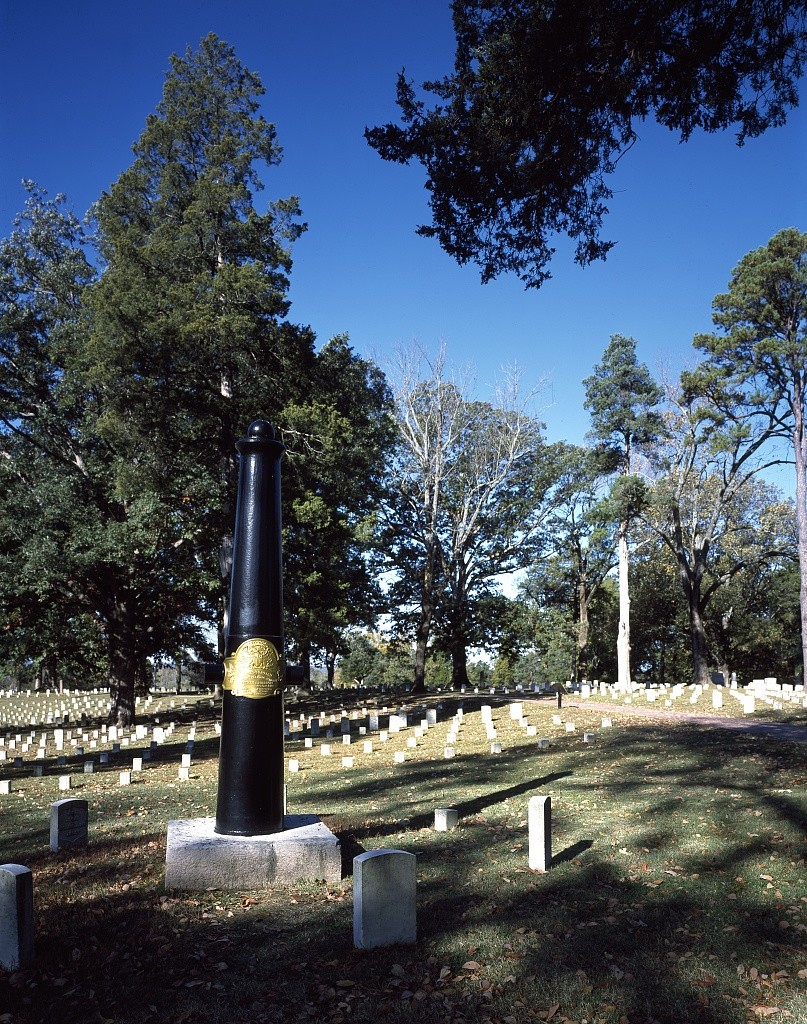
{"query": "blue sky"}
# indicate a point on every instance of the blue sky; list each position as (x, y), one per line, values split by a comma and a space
(78, 80)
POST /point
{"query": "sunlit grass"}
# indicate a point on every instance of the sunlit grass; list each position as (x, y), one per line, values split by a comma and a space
(677, 892)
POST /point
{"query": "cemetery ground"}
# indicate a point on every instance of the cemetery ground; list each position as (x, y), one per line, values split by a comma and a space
(677, 893)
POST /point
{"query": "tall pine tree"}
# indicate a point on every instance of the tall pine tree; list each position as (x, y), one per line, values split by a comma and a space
(621, 396)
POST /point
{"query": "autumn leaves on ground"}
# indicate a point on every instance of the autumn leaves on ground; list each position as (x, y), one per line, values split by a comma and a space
(677, 893)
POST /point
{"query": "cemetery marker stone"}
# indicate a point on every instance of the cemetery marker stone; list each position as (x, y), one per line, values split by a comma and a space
(445, 818)
(539, 818)
(384, 899)
(16, 917)
(68, 824)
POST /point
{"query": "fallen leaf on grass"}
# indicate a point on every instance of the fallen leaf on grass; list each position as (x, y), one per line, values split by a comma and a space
(766, 1011)
(471, 965)
(345, 983)
(547, 1014)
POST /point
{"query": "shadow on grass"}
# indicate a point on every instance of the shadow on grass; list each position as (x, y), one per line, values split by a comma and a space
(351, 838)
(572, 851)
(647, 950)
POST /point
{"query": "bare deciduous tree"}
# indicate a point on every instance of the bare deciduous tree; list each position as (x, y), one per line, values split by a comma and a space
(466, 498)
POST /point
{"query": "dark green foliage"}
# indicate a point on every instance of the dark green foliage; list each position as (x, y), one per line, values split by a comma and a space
(545, 98)
(337, 437)
(362, 663)
(660, 643)
(98, 573)
(576, 558)
(137, 383)
(754, 377)
(621, 397)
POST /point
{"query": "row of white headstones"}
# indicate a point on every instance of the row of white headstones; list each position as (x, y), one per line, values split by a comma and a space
(384, 880)
(20, 744)
(398, 723)
(768, 692)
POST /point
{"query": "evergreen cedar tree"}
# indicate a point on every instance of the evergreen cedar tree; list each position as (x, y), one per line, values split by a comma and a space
(170, 353)
(544, 100)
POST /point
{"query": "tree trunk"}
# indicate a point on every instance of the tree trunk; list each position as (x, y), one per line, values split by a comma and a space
(623, 635)
(426, 616)
(459, 663)
(330, 668)
(580, 662)
(122, 672)
(305, 663)
(421, 644)
(124, 667)
(691, 567)
(800, 454)
(143, 679)
(697, 635)
(459, 626)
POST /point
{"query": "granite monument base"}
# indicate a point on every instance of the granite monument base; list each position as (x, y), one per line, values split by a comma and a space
(196, 857)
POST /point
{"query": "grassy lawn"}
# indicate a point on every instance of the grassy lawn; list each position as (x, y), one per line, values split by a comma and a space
(678, 891)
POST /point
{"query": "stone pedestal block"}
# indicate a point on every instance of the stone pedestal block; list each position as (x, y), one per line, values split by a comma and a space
(198, 858)
(445, 818)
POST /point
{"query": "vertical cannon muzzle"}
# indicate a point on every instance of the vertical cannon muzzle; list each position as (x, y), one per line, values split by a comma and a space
(251, 766)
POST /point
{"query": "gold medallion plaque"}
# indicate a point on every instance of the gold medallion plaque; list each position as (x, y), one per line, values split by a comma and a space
(254, 670)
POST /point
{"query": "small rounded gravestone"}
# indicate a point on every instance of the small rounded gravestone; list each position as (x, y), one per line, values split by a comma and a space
(384, 899)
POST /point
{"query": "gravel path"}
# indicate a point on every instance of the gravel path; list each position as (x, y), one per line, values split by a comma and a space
(777, 730)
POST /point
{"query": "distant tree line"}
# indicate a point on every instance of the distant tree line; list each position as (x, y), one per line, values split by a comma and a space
(136, 347)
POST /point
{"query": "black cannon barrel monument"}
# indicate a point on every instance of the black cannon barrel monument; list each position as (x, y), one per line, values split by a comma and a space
(252, 842)
(250, 793)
